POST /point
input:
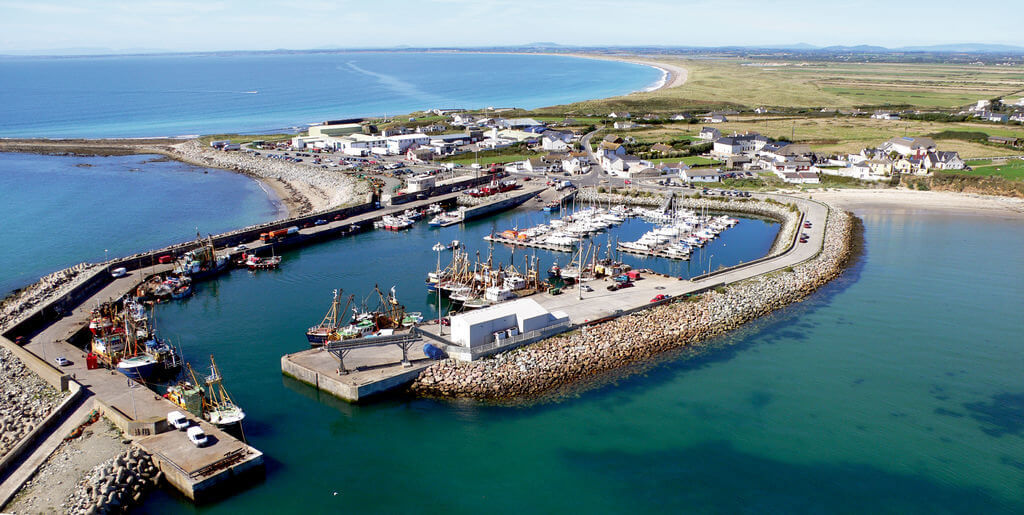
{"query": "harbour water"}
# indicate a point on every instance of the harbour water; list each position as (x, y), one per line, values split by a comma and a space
(896, 388)
(61, 210)
(171, 95)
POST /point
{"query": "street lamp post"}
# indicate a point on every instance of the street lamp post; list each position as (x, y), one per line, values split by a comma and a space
(437, 286)
(106, 260)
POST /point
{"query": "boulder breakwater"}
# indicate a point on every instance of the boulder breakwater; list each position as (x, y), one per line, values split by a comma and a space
(116, 485)
(558, 362)
(25, 400)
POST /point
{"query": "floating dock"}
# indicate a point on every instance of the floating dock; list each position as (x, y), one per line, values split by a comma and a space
(530, 244)
(653, 253)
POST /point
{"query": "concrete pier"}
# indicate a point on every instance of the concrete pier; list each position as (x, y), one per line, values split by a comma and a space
(372, 370)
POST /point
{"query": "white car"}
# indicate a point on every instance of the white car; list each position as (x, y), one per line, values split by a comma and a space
(241, 247)
(178, 420)
(62, 361)
(119, 272)
(197, 436)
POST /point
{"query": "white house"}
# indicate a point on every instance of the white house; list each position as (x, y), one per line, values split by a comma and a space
(542, 165)
(859, 171)
(739, 143)
(885, 115)
(799, 177)
(624, 125)
(420, 183)
(556, 141)
(709, 134)
(399, 144)
(943, 161)
(908, 146)
(703, 175)
(715, 118)
(463, 119)
(618, 114)
(576, 162)
(682, 117)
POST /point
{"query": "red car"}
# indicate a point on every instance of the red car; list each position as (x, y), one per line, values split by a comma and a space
(659, 297)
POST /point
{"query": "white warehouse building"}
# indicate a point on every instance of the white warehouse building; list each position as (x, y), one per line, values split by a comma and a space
(520, 316)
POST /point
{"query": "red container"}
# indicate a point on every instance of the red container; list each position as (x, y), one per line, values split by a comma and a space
(91, 362)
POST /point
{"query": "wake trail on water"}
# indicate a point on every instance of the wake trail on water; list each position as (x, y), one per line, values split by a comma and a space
(397, 85)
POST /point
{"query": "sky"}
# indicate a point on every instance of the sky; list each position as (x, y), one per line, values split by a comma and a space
(40, 26)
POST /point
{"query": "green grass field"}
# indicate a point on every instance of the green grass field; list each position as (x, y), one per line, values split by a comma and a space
(1012, 169)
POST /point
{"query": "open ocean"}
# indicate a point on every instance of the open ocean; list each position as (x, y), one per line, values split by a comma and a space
(173, 95)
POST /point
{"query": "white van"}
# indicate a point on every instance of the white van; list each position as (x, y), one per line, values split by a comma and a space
(119, 272)
(178, 420)
(196, 436)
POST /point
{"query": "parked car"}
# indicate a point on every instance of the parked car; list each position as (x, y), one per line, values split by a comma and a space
(197, 436)
(242, 247)
(613, 287)
(119, 272)
(586, 287)
(178, 420)
(659, 297)
(627, 284)
(320, 222)
(62, 361)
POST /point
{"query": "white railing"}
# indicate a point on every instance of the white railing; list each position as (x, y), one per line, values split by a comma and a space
(519, 339)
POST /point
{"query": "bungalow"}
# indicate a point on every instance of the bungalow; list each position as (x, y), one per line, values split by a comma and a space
(661, 148)
(715, 118)
(995, 117)
(420, 154)
(761, 110)
(542, 165)
(709, 134)
(908, 146)
(799, 177)
(675, 169)
(624, 125)
(463, 119)
(621, 165)
(705, 175)
(682, 117)
(782, 149)
(446, 112)
(885, 115)
(611, 138)
(860, 171)
(618, 114)
(431, 129)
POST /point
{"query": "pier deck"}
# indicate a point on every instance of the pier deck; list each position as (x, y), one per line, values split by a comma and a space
(140, 412)
(372, 370)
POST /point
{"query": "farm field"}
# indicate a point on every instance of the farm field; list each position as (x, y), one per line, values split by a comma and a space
(1012, 169)
(841, 134)
(733, 82)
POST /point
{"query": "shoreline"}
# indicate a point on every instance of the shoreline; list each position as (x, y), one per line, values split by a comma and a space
(903, 201)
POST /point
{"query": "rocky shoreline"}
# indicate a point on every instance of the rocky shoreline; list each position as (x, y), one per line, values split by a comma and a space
(25, 400)
(535, 370)
(306, 189)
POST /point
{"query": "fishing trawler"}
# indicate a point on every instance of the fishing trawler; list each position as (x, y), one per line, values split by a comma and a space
(216, 406)
(202, 263)
(319, 334)
(128, 344)
(384, 320)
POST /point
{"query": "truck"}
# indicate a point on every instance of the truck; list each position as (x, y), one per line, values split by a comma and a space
(278, 234)
(562, 185)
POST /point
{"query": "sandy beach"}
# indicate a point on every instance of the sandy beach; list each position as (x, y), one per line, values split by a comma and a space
(906, 201)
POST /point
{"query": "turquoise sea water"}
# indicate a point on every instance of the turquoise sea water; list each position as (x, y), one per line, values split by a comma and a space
(141, 96)
(896, 388)
(57, 211)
